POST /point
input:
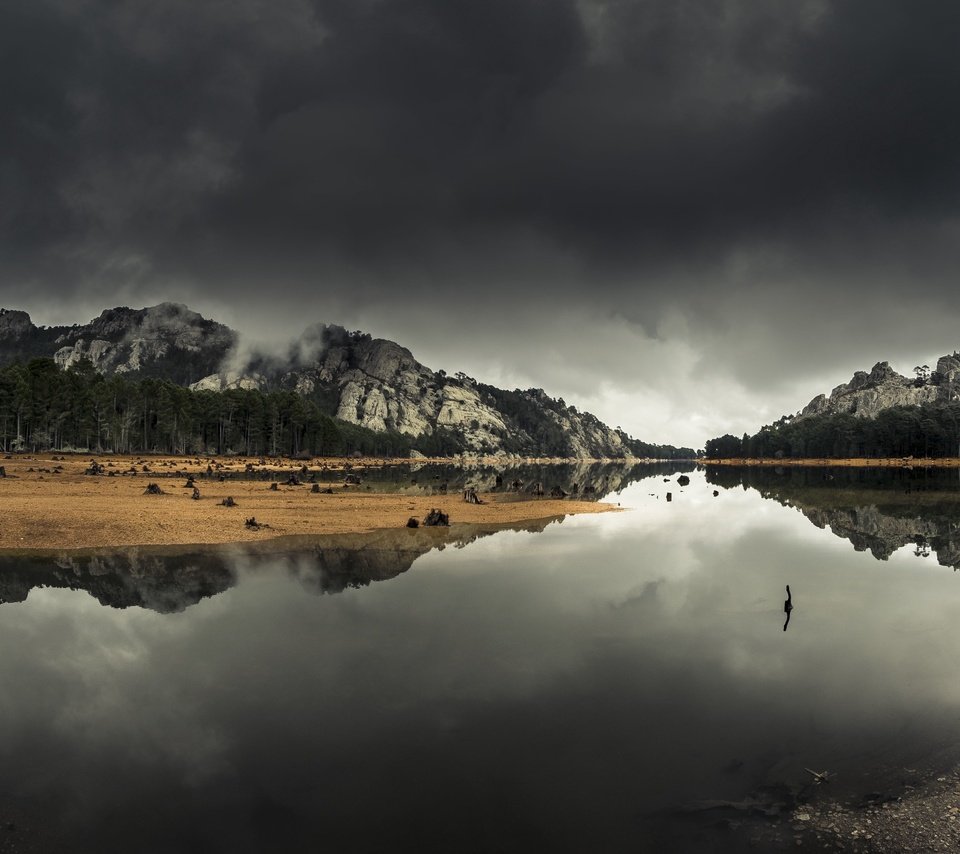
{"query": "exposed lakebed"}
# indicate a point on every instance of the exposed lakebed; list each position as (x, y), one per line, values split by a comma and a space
(613, 682)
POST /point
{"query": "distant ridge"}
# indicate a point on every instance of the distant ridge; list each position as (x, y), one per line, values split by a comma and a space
(370, 382)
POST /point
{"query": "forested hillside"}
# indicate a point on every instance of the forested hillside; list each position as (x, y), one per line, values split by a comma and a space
(927, 430)
(43, 407)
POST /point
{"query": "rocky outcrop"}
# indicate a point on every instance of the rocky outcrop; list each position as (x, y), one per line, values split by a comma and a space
(166, 340)
(868, 394)
(379, 385)
(367, 381)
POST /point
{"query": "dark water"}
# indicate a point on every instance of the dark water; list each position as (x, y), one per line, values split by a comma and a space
(563, 688)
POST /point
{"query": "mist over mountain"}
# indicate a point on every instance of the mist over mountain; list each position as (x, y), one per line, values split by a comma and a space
(373, 383)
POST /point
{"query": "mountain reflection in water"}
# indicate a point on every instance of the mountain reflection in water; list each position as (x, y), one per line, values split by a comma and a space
(877, 510)
(619, 682)
(169, 579)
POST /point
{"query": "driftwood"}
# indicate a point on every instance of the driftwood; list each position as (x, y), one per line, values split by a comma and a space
(94, 468)
(436, 518)
(153, 489)
(254, 525)
(470, 496)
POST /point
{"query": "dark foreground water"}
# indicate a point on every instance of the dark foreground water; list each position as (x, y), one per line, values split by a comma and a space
(588, 687)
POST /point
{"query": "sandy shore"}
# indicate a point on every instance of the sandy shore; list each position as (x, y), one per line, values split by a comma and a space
(50, 504)
(851, 462)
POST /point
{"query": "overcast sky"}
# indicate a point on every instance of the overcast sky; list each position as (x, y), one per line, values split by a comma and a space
(688, 216)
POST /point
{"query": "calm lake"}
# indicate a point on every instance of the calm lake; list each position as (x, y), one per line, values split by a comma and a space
(588, 684)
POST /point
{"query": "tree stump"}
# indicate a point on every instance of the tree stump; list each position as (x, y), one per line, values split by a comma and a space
(436, 518)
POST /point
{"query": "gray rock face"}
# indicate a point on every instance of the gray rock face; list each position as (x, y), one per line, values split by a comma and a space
(166, 340)
(362, 380)
(379, 385)
(868, 394)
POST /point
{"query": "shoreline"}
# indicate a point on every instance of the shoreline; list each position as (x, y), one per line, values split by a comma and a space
(52, 506)
(845, 462)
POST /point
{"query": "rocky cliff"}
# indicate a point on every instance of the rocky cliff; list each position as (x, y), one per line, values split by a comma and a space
(867, 394)
(367, 381)
(381, 386)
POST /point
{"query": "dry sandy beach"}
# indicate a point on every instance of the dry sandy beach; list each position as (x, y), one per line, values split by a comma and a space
(847, 462)
(49, 503)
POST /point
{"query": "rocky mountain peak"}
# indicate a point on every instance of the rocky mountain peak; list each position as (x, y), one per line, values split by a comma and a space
(868, 394)
(15, 324)
(371, 382)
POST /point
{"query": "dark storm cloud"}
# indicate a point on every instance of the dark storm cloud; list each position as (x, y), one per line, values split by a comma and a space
(717, 161)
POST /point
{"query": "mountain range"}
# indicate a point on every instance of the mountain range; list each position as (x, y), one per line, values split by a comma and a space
(358, 379)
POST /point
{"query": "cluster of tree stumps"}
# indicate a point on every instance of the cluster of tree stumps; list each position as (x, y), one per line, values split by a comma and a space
(434, 519)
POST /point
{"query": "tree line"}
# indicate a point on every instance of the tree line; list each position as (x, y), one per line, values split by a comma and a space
(926, 430)
(43, 407)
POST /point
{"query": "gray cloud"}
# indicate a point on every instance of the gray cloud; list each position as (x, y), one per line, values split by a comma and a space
(765, 192)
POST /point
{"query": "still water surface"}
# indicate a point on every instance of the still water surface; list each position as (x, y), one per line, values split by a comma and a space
(560, 690)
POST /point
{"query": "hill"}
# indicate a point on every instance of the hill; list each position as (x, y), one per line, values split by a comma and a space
(367, 386)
